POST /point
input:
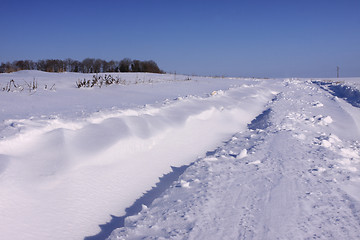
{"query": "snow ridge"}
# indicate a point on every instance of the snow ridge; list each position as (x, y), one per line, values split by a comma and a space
(62, 177)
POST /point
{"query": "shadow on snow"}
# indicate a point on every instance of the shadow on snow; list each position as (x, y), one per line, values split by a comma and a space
(262, 121)
(117, 222)
(349, 94)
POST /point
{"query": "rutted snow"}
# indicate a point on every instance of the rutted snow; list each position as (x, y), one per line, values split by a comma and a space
(289, 187)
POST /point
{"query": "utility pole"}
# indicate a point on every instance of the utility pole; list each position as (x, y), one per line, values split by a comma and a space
(337, 71)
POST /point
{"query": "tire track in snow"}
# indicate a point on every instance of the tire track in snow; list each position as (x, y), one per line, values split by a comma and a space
(291, 185)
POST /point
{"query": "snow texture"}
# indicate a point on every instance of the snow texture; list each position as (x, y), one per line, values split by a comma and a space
(285, 165)
(287, 187)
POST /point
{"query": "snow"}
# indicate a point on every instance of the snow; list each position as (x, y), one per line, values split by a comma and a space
(289, 187)
(72, 157)
(270, 158)
(242, 154)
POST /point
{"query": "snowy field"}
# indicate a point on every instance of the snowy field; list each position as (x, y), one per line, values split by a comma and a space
(268, 158)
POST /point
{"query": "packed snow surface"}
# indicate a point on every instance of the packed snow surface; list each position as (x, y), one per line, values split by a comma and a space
(272, 158)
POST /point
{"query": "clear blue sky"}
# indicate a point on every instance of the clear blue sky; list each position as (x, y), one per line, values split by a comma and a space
(259, 38)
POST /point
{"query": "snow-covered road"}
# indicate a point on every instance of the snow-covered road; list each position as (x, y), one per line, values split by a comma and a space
(294, 174)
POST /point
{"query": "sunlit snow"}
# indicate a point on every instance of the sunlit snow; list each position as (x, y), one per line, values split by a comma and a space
(270, 158)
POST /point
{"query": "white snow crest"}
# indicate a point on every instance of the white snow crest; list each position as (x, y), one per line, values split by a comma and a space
(92, 153)
(242, 154)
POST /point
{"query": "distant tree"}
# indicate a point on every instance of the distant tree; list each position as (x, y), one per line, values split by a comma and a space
(41, 65)
(12, 67)
(150, 66)
(78, 66)
(20, 65)
(125, 65)
(111, 66)
(69, 65)
(60, 65)
(50, 65)
(88, 65)
(24, 65)
(97, 67)
(2, 68)
(7, 67)
(105, 66)
(29, 65)
(136, 66)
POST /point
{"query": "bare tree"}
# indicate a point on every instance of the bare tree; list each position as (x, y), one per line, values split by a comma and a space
(125, 65)
(88, 65)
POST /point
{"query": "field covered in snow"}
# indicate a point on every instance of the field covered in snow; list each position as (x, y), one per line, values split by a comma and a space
(262, 158)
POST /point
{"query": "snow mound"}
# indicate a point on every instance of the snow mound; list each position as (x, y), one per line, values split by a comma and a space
(242, 154)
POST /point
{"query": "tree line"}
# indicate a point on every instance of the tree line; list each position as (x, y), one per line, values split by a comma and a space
(88, 65)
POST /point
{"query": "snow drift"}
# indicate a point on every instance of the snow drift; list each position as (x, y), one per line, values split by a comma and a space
(63, 172)
(269, 158)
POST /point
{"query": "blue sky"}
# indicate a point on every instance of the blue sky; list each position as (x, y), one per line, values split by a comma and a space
(258, 38)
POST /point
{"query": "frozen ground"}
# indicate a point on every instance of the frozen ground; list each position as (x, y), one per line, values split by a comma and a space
(285, 165)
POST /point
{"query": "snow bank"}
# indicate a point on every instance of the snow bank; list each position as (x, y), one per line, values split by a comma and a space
(66, 166)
